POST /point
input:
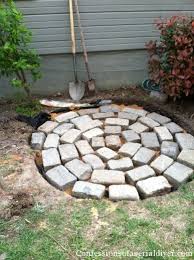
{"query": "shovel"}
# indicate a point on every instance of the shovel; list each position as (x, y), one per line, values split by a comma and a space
(91, 82)
(76, 88)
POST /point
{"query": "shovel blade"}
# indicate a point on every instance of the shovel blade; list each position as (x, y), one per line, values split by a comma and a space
(76, 90)
(91, 85)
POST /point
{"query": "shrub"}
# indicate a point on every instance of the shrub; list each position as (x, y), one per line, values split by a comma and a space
(16, 59)
(171, 61)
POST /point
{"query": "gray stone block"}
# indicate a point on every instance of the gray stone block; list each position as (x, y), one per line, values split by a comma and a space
(61, 129)
(48, 127)
(52, 141)
(139, 173)
(84, 147)
(170, 149)
(110, 108)
(113, 142)
(129, 149)
(112, 130)
(131, 117)
(94, 124)
(60, 177)
(154, 186)
(68, 152)
(88, 135)
(178, 174)
(65, 117)
(185, 141)
(80, 169)
(148, 122)
(131, 136)
(138, 128)
(82, 122)
(108, 177)
(83, 189)
(37, 140)
(123, 164)
(161, 163)
(89, 111)
(159, 118)
(163, 133)
(123, 192)
(117, 121)
(50, 158)
(94, 161)
(85, 123)
(103, 115)
(70, 136)
(143, 156)
(98, 142)
(150, 140)
(137, 111)
(106, 154)
(187, 157)
(174, 128)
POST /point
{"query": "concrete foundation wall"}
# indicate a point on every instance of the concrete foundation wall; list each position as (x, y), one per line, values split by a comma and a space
(110, 69)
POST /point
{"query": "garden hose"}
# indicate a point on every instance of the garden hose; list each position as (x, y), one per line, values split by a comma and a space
(149, 85)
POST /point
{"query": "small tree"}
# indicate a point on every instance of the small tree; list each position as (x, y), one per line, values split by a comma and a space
(16, 59)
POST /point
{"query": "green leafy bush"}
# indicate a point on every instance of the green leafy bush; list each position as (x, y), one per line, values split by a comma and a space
(171, 59)
(17, 61)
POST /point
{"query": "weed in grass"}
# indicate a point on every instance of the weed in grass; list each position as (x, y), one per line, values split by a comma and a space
(81, 217)
(31, 244)
(187, 192)
(150, 247)
(190, 221)
(160, 211)
(134, 230)
(101, 205)
(190, 228)
(116, 235)
(133, 223)
(3, 225)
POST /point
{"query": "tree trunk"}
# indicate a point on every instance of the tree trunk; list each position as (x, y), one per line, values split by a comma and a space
(21, 76)
(26, 85)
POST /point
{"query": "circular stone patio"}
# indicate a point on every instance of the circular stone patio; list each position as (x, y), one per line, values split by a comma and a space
(119, 152)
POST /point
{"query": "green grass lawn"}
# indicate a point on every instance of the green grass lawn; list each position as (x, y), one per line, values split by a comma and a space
(79, 227)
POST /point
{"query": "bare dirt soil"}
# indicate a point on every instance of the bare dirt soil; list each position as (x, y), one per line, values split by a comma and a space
(21, 185)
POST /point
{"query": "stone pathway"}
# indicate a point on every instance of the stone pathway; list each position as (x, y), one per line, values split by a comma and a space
(125, 153)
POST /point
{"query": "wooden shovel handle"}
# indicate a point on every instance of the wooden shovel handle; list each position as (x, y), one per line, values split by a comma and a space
(82, 39)
(72, 26)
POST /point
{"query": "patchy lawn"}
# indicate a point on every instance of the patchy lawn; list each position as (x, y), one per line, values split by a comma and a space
(76, 227)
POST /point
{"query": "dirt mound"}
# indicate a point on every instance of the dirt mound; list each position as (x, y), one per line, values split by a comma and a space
(20, 202)
(18, 205)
